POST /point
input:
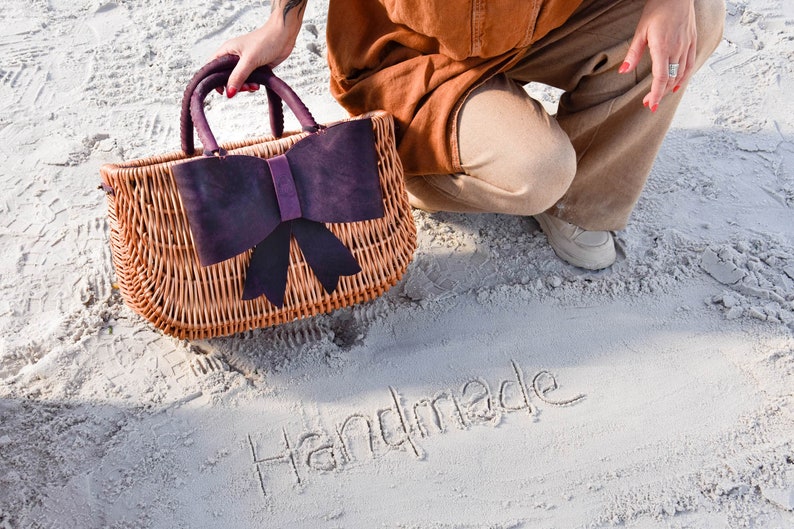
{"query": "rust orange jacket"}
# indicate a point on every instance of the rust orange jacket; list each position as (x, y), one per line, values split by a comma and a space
(417, 59)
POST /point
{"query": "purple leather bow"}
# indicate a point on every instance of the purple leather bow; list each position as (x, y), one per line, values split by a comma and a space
(235, 202)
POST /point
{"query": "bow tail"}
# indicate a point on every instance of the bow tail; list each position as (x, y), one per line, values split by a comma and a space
(327, 256)
(267, 271)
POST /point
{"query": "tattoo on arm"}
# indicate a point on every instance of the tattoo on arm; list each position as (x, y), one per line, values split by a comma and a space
(289, 5)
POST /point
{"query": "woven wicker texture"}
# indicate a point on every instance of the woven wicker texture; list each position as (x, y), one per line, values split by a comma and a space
(158, 270)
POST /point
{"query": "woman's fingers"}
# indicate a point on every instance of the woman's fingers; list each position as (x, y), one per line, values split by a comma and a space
(686, 71)
(667, 65)
(247, 87)
(667, 29)
(636, 49)
(269, 44)
(238, 76)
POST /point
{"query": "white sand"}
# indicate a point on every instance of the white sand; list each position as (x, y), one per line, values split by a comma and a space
(674, 371)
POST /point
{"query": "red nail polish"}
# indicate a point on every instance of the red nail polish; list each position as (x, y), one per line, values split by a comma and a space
(624, 67)
(230, 92)
(645, 103)
(676, 88)
(654, 107)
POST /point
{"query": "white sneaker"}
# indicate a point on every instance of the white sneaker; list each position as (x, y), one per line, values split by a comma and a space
(593, 250)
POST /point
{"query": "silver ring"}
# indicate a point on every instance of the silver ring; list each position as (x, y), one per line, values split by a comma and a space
(672, 70)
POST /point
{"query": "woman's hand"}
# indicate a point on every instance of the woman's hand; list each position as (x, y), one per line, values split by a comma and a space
(667, 28)
(267, 45)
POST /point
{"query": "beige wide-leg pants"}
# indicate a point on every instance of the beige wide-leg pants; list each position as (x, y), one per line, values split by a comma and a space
(589, 163)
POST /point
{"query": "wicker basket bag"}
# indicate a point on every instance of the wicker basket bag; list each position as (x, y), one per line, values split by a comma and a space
(165, 277)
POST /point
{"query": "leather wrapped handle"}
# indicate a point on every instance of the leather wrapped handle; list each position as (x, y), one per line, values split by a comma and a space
(264, 76)
(222, 64)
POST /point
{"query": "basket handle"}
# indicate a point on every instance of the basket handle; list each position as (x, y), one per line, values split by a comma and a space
(222, 64)
(262, 75)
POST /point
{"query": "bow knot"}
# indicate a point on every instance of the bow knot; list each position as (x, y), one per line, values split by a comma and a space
(287, 195)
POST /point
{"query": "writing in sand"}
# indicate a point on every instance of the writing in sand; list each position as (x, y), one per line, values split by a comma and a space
(401, 425)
